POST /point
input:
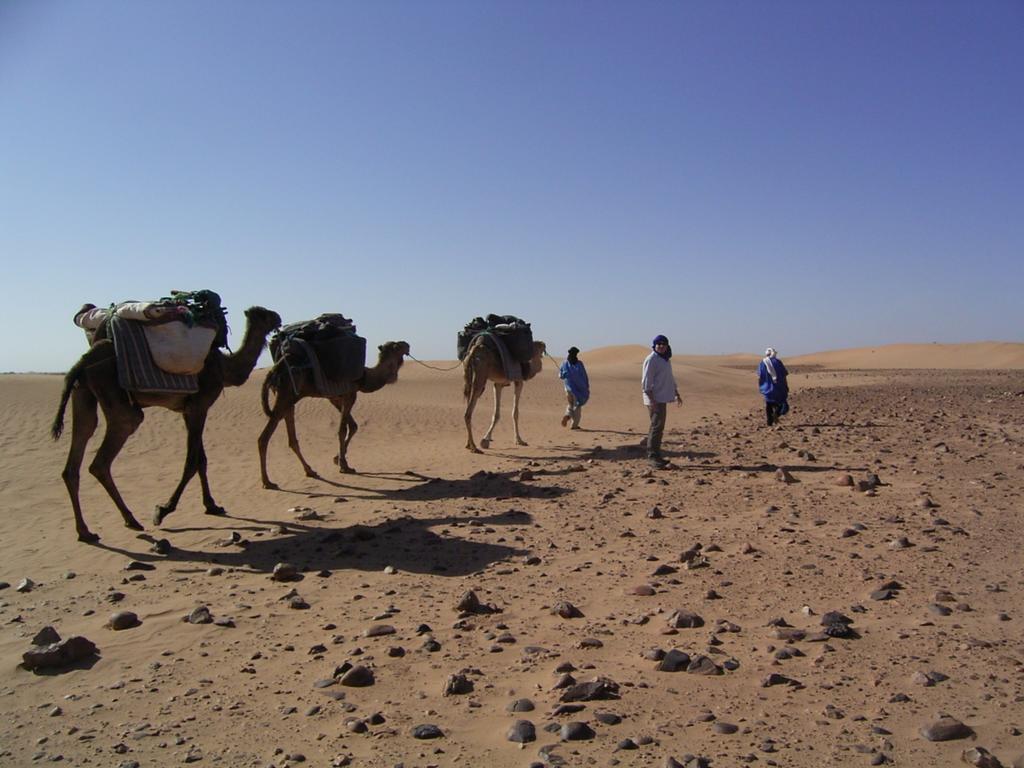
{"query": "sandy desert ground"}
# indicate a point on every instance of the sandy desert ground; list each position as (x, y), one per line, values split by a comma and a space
(583, 561)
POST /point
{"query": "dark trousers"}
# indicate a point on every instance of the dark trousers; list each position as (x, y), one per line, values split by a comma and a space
(658, 412)
(772, 411)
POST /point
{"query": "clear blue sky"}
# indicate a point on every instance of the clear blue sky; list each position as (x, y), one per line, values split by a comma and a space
(810, 175)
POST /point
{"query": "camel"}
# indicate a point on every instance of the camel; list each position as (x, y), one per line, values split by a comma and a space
(290, 390)
(481, 364)
(93, 381)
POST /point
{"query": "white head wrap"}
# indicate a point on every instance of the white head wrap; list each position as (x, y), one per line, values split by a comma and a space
(768, 355)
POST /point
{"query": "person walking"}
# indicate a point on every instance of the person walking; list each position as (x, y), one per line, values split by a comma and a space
(577, 387)
(659, 388)
(771, 380)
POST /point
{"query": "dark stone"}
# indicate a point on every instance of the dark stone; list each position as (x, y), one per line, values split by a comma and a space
(123, 620)
(457, 685)
(945, 729)
(777, 679)
(593, 691)
(61, 654)
(358, 677)
(683, 619)
(522, 732)
(577, 731)
(200, 615)
(427, 731)
(567, 610)
(702, 665)
(46, 636)
(521, 705)
(674, 661)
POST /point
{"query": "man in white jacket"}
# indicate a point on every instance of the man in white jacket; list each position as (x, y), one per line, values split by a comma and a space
(659, 387)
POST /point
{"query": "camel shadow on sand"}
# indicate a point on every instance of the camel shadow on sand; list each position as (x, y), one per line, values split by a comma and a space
(480, 485)
(405, 543)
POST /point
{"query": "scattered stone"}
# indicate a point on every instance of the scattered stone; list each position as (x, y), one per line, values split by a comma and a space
(46, 636)
(702, 665)
(567, 610)
(161, 547)
(522, 732)
(359, 677)
(379, 630)
(980, 758)
(681, 619)
(724, 728)
(577, 731)
(200, 615)
(123, 620)
(457, 684)
(25, 585)
(521, 705)
(59, 654)
(674, 661)
(596, 690)
(427, 731)
(777, 679)
(285, 572)
(945, 728)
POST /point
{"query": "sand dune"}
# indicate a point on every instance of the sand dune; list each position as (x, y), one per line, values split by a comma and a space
(988, 355)
(924, 565)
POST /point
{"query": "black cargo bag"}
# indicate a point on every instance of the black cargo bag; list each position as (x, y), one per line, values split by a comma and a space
(342, 357)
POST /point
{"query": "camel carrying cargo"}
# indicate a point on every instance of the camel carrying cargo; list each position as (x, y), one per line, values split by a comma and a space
(160, 345)
(328, 345)
(325, 358)
(510, 330)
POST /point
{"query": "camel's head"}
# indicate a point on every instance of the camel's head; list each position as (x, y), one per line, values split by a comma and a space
(395, 352)
(262, 320)
(539, 349)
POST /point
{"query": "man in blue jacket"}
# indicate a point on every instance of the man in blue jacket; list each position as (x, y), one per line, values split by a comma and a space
(771, 380)
(577, 387)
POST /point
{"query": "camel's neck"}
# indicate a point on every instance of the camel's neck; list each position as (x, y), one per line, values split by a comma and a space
(239, 365)
(384, 372)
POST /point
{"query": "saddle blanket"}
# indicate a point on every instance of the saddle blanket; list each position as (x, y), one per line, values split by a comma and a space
(513, 368)
(136, 370)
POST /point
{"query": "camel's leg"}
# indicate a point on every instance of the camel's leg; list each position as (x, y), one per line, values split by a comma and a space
(84, 421)
(293, 443)
(263, 443)
(517, 392)
(485, 441)
(477, 385)
(346, 429)
(122, 421)
(195, 422)
(209, 505)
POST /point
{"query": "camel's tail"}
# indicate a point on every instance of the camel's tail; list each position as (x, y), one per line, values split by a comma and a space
(70, 379)
(271, 381)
